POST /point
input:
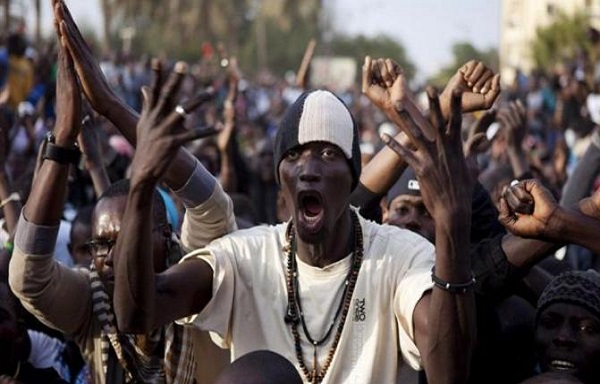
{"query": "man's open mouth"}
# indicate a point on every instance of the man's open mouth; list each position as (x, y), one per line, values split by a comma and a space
(311, 209)
(311, 204)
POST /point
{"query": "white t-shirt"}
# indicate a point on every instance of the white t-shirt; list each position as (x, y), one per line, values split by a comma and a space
(249, 300)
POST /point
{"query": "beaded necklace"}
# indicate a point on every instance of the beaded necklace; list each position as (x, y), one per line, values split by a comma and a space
(295, 314)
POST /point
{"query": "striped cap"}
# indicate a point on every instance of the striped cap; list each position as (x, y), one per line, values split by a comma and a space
(319, 116)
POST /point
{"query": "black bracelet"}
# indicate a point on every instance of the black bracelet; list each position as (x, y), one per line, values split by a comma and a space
(450, 287)
(60, 154)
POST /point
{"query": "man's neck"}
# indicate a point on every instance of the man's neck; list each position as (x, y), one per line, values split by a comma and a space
(334, 247)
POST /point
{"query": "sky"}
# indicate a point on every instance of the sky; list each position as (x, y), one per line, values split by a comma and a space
(426, 28)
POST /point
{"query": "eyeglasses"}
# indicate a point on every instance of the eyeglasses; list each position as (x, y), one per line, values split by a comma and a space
(100, 247)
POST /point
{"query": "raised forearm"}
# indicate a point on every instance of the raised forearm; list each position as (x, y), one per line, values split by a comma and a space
(12, 207)
(380, 174)
(44, 208)
(100, 179)
(228, 177)
(134, 272)
(577, 228)
(451, 323)
(525, 253)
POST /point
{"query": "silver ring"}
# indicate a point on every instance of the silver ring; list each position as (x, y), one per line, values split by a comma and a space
(514, 182)
(181, 111)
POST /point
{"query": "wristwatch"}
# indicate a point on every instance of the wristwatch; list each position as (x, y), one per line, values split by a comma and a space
(60, 154)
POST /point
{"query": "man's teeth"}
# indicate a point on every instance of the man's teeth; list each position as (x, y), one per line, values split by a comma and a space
(311, 218)
(561, 364)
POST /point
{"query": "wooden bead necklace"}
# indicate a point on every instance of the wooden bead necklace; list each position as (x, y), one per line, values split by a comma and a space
(295, 314)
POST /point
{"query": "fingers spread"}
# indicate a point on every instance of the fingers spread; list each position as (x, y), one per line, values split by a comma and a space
(409, 125)
(157, 82)
(435, 109)
(200, 98)
(195, 134)
(401, 150)
(146, 95)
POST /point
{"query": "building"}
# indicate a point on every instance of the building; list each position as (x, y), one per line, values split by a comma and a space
(519, 21)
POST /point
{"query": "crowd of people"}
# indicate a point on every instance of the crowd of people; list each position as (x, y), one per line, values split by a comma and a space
(171, 222)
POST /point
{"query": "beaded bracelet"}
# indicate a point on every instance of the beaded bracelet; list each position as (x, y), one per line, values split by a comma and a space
(450, 287)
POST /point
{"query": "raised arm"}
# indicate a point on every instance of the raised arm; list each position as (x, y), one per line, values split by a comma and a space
(549, 221)
(88, 142)
(141, 296)
(226, 145)
(103, 99)
(11, 201)
(444, 320)
(479, 84)
(45, 287)
(384, 84)
(513, 118)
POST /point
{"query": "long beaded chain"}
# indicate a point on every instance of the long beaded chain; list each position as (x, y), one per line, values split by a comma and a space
(295, 313)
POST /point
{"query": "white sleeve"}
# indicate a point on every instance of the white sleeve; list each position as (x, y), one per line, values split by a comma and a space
(217, 314)
(209, 210)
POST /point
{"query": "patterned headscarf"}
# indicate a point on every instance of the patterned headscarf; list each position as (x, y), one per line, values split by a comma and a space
(574, 287)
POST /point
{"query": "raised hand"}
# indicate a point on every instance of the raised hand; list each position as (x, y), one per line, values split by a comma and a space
(233, 78)
(93, 83)
(90, 148)
(479, 85)
(385, 85)
(378, 79)
(517, 198)
(68, 96)
(89, 144)
(513, 118)
(444, 177)
(161, 131)
(477, 141)
(446, 188)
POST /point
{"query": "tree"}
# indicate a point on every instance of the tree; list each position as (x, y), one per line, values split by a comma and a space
(380, 46)
(462, 52)
(269, 34)
(562, 40)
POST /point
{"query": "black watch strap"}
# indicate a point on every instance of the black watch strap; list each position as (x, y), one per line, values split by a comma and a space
(60, 154)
